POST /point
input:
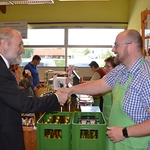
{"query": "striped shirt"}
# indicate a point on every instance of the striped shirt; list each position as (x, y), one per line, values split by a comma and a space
(137, 96)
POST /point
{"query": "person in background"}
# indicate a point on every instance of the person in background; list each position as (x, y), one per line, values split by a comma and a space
(129, 121)
(98, 73)
(26, 83)
(15, 70)
(32, 67)
(110, 63)
(13, 101)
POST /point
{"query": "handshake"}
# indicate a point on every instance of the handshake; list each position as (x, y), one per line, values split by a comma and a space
(63, 94)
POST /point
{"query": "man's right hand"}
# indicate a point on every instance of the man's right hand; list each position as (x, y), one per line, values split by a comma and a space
(62, 97)
(66, 90)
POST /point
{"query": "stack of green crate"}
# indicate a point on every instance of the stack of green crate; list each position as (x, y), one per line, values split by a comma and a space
(54, 131)
(88, 131)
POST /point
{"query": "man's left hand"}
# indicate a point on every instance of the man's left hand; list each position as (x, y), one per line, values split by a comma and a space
(115, 133)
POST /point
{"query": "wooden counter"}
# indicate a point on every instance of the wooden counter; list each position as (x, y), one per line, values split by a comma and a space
(30, 138)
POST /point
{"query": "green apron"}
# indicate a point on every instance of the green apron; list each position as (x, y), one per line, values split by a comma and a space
(117, 113)
(96, 101)
(107, 104)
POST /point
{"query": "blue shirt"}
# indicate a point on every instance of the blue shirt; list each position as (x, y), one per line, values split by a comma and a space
(34, 72)
(137, 97)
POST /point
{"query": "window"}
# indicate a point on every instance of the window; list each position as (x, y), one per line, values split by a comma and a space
(81, 57)
(62, 47)
(45, 37)
(92, 36)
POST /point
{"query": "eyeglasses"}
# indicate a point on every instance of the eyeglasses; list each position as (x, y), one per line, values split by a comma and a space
(107, 66)
(119, 44)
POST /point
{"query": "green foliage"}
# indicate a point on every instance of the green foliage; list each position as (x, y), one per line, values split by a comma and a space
(86, 51)
(107, 54)
(60, 62)
(28, 53)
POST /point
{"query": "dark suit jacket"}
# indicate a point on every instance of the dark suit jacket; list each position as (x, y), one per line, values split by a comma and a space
(14, 101)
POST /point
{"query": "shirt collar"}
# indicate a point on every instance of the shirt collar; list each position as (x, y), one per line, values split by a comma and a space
(134, 67)
(32, 65)
(6, 62)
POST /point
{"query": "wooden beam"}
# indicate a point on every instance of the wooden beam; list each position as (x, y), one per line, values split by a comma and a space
(3, 9)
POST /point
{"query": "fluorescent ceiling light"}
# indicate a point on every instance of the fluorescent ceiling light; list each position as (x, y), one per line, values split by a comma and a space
(21, 2)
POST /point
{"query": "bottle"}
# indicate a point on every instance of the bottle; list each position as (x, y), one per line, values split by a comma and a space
(60, 108)
(82, 136)
(94, 135)
(49, 120)
(69, 106)
(59, 135)
(45, 122)
(64, 107)
(67, 120)
(54, 136)
(79, 120)
(88, 135)
(77, 106)
(57, 120)
(88, 121)
(47, 133)
(97, 120)
(50, 133)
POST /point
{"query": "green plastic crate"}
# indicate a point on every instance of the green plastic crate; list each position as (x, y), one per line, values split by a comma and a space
(53, 136)
(88, 136)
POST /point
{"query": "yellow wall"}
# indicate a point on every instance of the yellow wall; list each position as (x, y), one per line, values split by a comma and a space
(136, 7)
(69, 12)
(112, 11)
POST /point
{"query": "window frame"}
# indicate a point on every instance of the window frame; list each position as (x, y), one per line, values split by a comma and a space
(66, 45)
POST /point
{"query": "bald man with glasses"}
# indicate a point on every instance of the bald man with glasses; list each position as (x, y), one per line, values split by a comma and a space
(129, 121)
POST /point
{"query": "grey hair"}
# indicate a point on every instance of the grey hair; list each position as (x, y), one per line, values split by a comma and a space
(7, 33)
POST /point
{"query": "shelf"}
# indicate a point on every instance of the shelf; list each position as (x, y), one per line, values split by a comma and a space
(145, 19)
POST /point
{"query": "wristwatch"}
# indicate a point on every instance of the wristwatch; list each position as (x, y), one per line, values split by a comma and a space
(125, 132)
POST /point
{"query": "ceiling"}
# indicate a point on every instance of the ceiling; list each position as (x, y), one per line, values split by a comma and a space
(33, 2)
